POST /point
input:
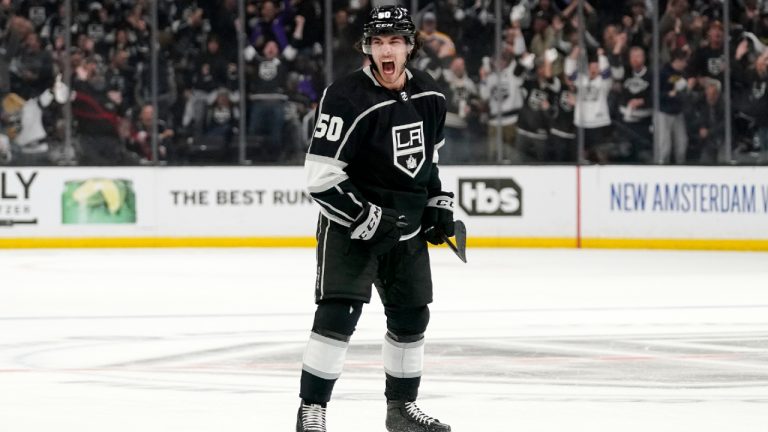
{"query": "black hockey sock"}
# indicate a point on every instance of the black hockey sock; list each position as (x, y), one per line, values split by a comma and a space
(402, 389)
(315, 390)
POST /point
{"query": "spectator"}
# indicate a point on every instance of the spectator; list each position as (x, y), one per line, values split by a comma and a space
(500, 90)
(462, 99)
(638, 24)
(307, 35)
(120, 77)
(101, 130)
(592, 111)
(672, 136)
(477, 29)
(439, 43)
(210, 74)
(636, 107)
(539, 92)
(33, 69)
(141, 136)
(346, 58)
(709, 60)
(266, 85)
(709, 125)
(166, 83)
(544, 34)
(222, 116)
(546, 8)
(272, 26)
(752, 76)
(562, 130)
(190, 35)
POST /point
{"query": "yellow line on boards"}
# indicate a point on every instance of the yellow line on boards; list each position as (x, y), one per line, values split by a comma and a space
(676, 244)
(148, 242)
(291, 242)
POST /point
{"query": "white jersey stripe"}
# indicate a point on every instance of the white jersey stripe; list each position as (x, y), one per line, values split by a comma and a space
(325, 244)
(427, 93)
(328, 207)
(357, 120)
(322, 175)
(319, 109)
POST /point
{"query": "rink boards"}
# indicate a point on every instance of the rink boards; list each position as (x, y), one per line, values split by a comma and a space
(614, 207)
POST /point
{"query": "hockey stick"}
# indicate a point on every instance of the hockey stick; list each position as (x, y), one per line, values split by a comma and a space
(460, 248)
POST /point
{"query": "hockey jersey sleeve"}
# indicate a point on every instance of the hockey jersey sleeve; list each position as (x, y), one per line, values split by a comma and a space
(338, 130)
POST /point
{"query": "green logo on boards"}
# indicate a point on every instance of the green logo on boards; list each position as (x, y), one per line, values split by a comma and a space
(98, 201)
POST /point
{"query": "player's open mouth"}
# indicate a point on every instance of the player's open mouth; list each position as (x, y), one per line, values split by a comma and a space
(388, 67)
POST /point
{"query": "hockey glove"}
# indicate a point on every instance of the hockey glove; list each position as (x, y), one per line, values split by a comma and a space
(378, 227)
(438, 217)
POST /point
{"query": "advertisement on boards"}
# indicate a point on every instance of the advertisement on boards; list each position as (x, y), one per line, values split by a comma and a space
(675, 202)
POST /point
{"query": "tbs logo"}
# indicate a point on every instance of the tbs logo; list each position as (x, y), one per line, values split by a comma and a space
(491, 197)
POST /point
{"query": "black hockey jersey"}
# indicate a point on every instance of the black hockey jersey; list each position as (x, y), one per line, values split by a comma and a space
(562, 121)
(371, 144)
(637, 85)
(535, 115)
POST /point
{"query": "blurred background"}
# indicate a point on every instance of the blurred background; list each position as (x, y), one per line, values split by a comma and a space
(227, 82)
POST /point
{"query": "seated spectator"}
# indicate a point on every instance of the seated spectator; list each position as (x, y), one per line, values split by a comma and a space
(210, 72)
(141, 136)
(222, 116)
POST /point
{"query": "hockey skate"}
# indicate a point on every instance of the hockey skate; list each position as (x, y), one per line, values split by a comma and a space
(310, 418)
(407, 417)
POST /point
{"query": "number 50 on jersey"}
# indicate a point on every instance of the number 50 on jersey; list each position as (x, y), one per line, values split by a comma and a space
(329, 127)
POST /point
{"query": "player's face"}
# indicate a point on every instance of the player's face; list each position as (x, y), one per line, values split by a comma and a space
(390, 53)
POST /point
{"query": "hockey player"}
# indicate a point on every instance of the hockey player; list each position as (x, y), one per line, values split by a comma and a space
(372, 168)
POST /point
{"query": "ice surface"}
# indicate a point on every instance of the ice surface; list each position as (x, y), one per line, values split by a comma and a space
(204, 340)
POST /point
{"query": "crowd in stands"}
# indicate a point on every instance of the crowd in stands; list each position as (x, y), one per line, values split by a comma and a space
(198, 89)
(534, 100)
(537, 95)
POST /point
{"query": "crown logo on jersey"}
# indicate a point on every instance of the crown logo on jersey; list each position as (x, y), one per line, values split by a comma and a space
(404, 96)
(408, 145)
(411, 163)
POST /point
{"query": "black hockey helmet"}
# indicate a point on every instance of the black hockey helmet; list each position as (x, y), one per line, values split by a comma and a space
(388, 20)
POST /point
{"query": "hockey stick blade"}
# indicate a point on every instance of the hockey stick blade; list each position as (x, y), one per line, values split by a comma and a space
(460, 248)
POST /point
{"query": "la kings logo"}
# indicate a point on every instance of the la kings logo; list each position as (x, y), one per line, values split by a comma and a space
(491, 197)
(408, 147)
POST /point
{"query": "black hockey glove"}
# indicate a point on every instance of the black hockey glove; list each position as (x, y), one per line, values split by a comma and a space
(378, 227)
(438, 217)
